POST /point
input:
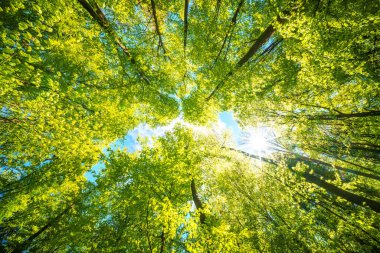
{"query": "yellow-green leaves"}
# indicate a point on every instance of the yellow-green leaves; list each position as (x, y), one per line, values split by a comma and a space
(77, 75)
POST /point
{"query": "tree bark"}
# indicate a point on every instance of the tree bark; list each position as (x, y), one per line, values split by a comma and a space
(341, 116)
(25, 244)
(185, 25)
(101, 19)
(230, 29)
(260, 41)
(197, 202)
(350, 197)
(316, 161)
(162, 236)
(158, 32)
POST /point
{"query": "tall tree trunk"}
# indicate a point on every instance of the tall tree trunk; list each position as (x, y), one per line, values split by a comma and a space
(99, 17)
(185, 25)
(341, 116)
(230, 29)
(158, 32)
(217, 9)
(260, 41)
(197, 202)
(350, 197)
(323, 204)
(162, 236)
(319, 162)
(25, 244)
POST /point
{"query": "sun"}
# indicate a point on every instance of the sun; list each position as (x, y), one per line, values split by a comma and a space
(256, 141)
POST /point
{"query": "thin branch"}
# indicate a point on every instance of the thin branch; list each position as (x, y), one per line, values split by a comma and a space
(230, 30)
(97, 14)
(261, 40)
(269, 49)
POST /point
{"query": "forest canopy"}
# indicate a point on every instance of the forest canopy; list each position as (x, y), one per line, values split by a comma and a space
(75, 76)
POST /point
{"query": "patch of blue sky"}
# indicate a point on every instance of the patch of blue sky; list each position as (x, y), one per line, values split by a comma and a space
(230, 122)
(131, 143)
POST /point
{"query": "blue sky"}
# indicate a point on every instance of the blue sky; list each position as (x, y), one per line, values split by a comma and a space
(226, 120)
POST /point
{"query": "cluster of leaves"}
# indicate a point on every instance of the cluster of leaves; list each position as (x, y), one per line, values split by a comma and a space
(190, 194)
(74, 76)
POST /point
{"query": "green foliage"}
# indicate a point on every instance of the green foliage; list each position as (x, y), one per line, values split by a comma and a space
(77, 75)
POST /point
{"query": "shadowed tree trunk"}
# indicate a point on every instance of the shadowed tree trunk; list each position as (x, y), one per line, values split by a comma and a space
(158, 31)
(25, 244)
(341, 116)
(260, 41)
(350, 197)
(185, 25)
(230, 29)
(197, 202)
(101, 19)
(319, 162)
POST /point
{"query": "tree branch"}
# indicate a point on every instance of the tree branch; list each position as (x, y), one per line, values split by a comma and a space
(230, 29)
(261, 40)
(158, 32)
(97, 14)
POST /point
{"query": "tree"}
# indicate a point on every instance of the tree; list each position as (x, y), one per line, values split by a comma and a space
(75, 76)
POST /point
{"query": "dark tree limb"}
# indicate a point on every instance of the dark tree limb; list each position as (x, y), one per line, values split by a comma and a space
(320, 203)
(97, 14)
(340, 116)
(25, 244)
(230, 30)
(300, 158)
(158, 32)
(217, 9)
(162, 236)
(311, 178)
(259, 42)
(197, 202)
(147, 226)
(351, 197)
(185, 25)
(269, 49)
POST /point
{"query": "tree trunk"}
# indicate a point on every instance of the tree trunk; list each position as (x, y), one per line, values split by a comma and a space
(197, 202)
(319, 162)
(185, 25)
(344, 115)
(350, 197)
(101, 19)
(260, 41)
(24, 245)
(158, 32)
(230, 29)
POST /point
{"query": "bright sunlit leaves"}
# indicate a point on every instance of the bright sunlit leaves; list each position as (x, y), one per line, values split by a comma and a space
(77, 75)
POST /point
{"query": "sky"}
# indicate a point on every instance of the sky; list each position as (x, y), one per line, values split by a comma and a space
(129, 141)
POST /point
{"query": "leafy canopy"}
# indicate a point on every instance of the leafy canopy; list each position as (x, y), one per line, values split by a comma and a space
(77, 75)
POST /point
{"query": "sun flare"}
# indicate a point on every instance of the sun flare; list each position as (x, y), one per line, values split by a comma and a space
(256, 141)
